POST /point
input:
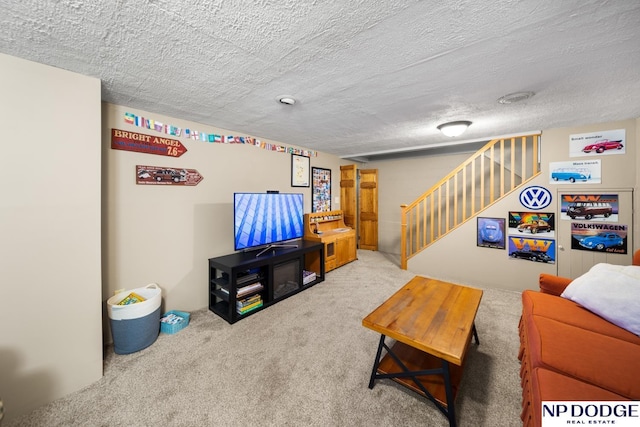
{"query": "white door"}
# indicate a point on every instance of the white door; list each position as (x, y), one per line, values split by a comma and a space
(600, 230)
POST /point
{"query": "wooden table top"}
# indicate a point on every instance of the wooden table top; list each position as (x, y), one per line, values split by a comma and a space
(433, 316)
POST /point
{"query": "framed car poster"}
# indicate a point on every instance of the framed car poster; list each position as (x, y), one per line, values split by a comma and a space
(599, 237)
(532, 249)
(491, 233)
(599, 207)
(603, 143)
(576, 172)
(540, 224)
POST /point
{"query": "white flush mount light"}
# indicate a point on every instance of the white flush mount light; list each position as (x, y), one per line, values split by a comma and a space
(454, 128)
(286, 100)
(515, 97)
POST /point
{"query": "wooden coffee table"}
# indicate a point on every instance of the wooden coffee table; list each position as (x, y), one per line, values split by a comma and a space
(432, 323)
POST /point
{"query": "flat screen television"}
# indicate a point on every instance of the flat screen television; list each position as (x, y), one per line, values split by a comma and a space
(266, 219)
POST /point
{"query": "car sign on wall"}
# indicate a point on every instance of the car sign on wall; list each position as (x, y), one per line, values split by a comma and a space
(158, 175)
(535, 197)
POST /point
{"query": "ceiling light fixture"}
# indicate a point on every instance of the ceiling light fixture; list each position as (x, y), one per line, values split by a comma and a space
(287, 100)
(515, 97)
(454, 128)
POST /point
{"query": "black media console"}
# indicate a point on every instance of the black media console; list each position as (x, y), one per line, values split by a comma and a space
(242, 283)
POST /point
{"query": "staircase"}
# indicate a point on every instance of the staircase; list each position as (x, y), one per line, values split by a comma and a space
(497, 169)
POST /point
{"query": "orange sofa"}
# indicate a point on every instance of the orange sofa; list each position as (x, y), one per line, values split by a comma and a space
(569, 353)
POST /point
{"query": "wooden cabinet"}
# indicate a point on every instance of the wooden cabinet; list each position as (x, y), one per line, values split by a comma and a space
(338, 239)
(345, 248)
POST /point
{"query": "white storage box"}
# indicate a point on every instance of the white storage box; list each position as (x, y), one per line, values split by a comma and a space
(135, 326)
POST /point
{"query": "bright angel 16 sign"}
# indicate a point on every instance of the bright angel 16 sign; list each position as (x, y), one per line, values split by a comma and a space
(149, 144)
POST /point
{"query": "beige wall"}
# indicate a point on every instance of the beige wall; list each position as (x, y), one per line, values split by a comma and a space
(400, 182)
(50, 290)
(165, 234)
(457, 258)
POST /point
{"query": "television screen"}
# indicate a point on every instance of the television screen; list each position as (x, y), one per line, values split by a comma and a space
(262, 219)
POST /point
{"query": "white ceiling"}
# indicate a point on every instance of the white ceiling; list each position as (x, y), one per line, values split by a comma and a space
(368, 76)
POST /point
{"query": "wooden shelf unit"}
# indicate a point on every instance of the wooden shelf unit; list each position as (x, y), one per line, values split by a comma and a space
(338, 239)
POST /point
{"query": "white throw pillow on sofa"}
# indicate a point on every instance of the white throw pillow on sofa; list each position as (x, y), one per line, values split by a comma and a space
(610, 291)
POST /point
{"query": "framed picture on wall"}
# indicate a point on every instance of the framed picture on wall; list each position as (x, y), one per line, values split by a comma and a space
(299, 171)
(321, 190)
(491, 233)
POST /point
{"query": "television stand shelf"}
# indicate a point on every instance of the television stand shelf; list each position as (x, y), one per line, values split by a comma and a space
(242, 283)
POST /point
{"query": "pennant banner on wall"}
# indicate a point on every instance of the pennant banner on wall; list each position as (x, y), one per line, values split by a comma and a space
(149, 144)
(167, 129)
(159, 175)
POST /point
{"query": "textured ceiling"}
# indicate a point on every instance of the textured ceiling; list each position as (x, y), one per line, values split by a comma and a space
(368, 76)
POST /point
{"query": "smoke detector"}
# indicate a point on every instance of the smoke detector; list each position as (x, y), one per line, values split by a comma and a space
(286, 100)
(515, 97)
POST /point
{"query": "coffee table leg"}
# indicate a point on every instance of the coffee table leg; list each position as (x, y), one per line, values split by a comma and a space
(451, 405)
(475, 334)
(377, 361)
(449, 411)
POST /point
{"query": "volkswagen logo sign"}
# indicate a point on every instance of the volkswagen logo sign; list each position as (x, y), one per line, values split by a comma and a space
(535, 197)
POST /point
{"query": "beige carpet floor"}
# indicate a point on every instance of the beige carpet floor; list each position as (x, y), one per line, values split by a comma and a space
(305, 361)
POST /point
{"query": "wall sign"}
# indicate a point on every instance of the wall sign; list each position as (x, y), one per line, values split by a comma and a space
(148, 144)
(159, 175)
(542, 224)
(532, 249)
(599, 237)
(597, 143)
(600, 207)
(576, 172)
(535, 197)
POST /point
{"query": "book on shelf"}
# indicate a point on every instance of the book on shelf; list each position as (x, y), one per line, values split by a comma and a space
(248, 301)
(249, 308)
(254, 287)
(248, 304)
(247, 278)
(308, 277)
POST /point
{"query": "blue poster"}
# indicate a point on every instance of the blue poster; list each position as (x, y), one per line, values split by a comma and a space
(532, 249)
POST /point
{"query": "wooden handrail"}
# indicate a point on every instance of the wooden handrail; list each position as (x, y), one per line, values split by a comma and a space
(488, 175)
(403, 228)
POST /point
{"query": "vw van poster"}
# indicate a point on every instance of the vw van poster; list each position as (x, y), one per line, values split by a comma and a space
(575, 172)
(587, 207)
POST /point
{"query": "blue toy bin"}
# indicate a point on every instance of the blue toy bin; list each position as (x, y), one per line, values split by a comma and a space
(172, 328)
(135, 326)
